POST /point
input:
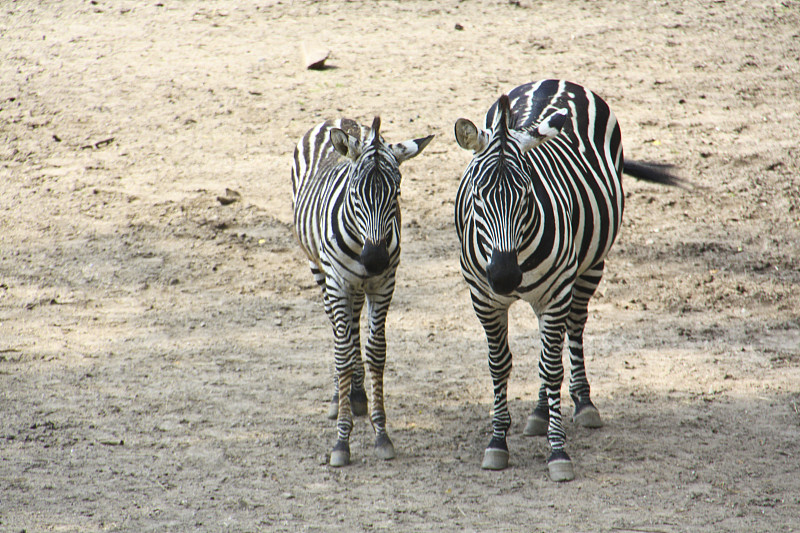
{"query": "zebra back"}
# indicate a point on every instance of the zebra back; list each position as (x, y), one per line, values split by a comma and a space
(315, 157)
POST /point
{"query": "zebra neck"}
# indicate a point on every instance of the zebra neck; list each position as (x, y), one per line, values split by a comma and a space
(540, 235)
(347, 217)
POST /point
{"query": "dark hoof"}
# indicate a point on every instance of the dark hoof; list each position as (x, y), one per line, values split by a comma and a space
(496, 455)
(340, 456)
(587, 415)
(358, 402)
(333, 408)
(559, 466)
(536, 426)
(384, 448)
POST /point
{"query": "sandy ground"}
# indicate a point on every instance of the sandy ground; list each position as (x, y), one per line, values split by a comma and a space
(164, 358)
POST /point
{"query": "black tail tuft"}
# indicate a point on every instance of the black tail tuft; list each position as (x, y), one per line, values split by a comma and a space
(654, 172)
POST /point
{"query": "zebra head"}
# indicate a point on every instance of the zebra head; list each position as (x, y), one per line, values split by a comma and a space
(501, 187)
(372, 189)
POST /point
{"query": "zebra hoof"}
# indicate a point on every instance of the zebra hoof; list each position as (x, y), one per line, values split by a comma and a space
(384, 448)
(587, 416)
(559, 466)
(340, 456)
(496, 455)
(358, 402)
(494, 459)
(333, 408)
(536, 426)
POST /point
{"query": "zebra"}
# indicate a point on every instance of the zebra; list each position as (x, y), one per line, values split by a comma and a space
(536, 212)
(345, 188)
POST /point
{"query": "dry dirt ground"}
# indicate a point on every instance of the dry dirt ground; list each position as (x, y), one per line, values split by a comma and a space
(164, 358)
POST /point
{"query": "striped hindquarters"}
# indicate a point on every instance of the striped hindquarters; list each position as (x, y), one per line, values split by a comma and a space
(319, 176)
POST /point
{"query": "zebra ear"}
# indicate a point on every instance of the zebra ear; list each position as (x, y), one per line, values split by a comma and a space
(345, 144)
(469, 137)
(408, 149)
(547, 129)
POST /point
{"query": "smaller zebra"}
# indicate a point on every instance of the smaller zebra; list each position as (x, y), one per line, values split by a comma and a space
(345, 189)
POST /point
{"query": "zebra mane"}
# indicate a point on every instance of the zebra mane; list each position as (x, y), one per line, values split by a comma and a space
(504, 107)
(376, 126)
(502, 130)
(377, 156)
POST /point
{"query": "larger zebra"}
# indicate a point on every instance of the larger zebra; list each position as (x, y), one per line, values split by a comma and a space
(345, 185)
(536, 212)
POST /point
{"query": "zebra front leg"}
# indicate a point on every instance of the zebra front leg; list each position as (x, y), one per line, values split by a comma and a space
(586, 414)
(358, 396)
(495, 324)
(551, 371)
(375, 350)
(340, 456)
(319, 277)
(345, 357)
(539, 420)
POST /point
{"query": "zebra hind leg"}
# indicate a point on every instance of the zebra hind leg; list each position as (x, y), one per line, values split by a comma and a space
(539, 420)
(586, 414)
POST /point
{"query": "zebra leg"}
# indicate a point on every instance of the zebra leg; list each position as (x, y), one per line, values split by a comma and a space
(495, 325)
(345, 356)
(319, 278)
(586, 414)
(539, 420)
(551, 371)
(375, 350)
(358, 396)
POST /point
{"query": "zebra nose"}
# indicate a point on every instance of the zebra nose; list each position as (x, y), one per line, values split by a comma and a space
(503, 272)
(375, 257)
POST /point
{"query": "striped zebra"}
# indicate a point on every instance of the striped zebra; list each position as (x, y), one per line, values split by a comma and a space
(345, 188)
(536, 212)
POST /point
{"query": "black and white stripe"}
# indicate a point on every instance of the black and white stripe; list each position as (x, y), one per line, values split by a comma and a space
(346, 183)
(536, 212)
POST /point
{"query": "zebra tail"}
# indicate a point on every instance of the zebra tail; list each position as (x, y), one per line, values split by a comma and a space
(655, 173)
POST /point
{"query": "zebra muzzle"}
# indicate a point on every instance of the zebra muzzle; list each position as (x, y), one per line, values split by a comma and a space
(375, 257)
(503, 272)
